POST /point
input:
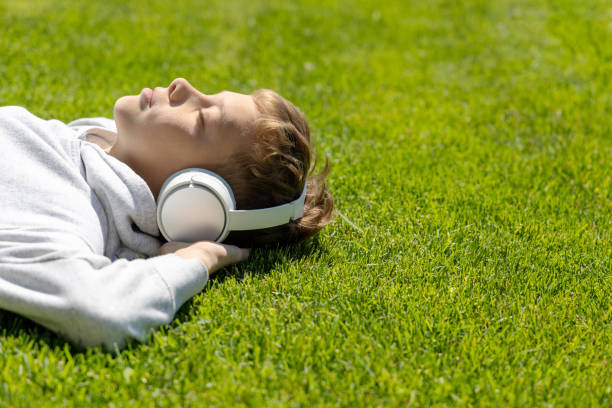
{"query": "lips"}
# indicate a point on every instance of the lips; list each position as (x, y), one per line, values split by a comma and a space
(148, 96)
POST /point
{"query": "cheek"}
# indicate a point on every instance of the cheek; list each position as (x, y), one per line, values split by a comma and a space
(165, 127)
(174, 126)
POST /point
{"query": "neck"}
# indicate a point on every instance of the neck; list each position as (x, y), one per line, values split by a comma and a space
(153, 174)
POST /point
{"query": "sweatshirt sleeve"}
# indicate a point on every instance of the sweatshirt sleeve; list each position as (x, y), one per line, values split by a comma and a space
(95, 302)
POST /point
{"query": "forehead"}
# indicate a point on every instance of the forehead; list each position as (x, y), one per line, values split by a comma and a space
(238, 109)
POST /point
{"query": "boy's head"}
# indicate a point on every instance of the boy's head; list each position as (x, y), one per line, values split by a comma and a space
(259, 143)
(273, 170)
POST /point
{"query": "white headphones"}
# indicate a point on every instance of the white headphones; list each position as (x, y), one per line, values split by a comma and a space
(198, 205)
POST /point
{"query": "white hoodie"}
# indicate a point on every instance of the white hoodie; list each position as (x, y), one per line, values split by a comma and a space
(78, 236)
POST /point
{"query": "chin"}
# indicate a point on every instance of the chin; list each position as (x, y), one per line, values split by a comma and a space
(125, 104)
(126, 109)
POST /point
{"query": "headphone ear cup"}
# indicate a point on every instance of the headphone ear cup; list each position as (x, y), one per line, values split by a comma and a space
(192, 214)
(194, 205)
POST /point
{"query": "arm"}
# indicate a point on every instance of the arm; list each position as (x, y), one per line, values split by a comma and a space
(94, 302)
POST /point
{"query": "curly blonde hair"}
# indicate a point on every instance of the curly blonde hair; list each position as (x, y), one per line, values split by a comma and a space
(273, 172)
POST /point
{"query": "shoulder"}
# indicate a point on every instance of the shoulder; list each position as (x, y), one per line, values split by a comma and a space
(15, 111)
(11, 116)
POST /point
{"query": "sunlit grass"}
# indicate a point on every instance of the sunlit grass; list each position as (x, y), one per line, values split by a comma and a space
(470, 261)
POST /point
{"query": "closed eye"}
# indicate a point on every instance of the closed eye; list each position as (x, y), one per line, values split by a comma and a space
(202, 121)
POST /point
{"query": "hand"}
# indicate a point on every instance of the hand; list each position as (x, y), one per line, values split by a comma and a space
(215, 256)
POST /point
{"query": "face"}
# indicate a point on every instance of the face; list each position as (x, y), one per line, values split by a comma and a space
(169, 129)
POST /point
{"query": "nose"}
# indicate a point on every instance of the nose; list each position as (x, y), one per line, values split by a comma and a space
(179, 82)
(180, 89)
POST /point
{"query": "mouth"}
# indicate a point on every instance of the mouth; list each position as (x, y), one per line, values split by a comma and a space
(148, 96)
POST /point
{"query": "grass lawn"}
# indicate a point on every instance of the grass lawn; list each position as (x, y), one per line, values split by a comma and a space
(470, 260)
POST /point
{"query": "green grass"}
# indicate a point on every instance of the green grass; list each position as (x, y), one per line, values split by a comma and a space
(470, 262)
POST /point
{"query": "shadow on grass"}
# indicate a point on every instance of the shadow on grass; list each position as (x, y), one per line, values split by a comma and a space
(261, 261)
(32, 335)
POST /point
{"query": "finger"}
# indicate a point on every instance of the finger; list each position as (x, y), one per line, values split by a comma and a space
(244, 253)
(240, 254)
(233, 254)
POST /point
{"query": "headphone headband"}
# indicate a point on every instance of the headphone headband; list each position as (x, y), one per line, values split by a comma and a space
(243, 220)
